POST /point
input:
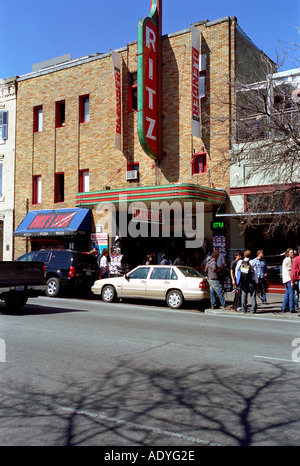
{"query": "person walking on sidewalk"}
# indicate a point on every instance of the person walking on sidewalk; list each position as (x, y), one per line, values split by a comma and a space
(214, 284)
(235, 282)
(288, 299)
(262, 272)
(248, 281)
(295, 274)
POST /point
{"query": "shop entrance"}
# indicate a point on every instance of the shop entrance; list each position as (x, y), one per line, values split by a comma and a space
(137, 249)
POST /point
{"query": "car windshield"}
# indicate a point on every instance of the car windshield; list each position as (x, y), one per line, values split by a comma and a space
(274, 264)
(190, 272)
(26, 257)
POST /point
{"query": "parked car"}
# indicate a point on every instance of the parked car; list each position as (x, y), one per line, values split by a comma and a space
(66, 269)
(174, 284)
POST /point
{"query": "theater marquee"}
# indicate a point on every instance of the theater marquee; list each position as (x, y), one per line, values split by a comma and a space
(149, 63)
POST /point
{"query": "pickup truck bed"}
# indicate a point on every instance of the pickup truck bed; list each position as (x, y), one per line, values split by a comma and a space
(20, 281)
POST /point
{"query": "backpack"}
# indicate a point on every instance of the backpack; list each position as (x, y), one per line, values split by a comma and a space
(165, 262)
(246, 271)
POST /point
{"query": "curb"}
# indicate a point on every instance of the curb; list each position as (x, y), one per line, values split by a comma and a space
(258, 313)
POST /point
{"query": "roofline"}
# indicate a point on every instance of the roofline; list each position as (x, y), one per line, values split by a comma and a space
(92, 57)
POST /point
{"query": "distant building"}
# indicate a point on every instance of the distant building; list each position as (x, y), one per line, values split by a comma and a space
(7, 165)
(259, 137)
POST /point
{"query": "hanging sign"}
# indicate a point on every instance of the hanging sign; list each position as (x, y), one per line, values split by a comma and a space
(149, 62)
(196, 129)
(116, 58)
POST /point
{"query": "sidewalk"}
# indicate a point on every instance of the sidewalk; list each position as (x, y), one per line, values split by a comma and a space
(273, 308)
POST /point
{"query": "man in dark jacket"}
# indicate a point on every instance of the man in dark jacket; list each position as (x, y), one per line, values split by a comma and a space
(214, 284)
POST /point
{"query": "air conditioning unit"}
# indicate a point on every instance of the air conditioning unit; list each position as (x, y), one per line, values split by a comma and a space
(132, 175)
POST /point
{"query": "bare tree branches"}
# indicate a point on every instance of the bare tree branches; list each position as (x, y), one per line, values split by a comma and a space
(265, 149)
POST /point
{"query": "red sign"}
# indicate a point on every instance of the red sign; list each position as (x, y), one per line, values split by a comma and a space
(196, 129)
(149, 32)
(150, 83)
(52, 221)
(117, 73)
(195, 84)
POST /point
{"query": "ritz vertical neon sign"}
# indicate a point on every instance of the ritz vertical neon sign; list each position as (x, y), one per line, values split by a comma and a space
(149, 76)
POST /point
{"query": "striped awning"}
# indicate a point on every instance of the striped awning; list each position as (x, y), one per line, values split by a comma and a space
(172, 192)
(60, 222)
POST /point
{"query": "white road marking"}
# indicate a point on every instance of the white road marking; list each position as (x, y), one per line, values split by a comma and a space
(156, 430)
(276, 359)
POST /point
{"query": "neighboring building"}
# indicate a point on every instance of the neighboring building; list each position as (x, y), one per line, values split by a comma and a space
(7, 164)
(66, 155)
(265, 173)
(258, 142)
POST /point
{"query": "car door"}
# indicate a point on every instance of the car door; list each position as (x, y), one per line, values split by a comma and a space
(158, 282)
(134, 283)
(43, 256)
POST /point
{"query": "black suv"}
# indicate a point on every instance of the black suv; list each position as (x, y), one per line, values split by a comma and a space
(72, 270)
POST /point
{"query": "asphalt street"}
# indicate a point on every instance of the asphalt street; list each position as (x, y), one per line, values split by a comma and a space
(82, 372)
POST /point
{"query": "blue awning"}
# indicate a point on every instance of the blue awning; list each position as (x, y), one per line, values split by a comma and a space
(60, 222)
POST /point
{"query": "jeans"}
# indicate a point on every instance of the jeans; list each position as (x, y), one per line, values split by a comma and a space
(215, 288)
(288, 299)
(262, 288)
(251, 288)
(296, 294)
(296, 298)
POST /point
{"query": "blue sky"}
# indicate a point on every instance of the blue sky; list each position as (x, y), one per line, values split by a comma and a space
(36, 30)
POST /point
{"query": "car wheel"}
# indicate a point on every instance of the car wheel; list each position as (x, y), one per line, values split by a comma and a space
(174, 299)
(53, 287)
(108, 293)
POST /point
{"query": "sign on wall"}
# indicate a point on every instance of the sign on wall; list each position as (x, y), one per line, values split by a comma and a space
(116, 58)
(149, 63)
(196, 128)
(99, 241)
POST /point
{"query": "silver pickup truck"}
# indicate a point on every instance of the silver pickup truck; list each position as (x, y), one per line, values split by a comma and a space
(20, 281)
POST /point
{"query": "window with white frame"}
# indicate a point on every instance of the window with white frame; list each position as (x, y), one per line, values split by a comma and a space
(3, 124)
(37, 189)
(84, 108)
(38, 119)
(84, 181)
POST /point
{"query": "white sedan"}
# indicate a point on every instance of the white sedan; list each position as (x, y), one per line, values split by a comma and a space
(173, 284)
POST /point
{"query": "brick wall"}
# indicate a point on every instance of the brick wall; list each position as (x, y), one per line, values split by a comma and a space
(90, 145)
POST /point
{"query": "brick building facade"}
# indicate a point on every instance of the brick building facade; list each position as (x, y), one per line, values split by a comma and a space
(56, 145)
(8, 99)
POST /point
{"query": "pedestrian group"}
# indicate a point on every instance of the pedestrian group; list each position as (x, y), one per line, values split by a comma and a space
(248, 276)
